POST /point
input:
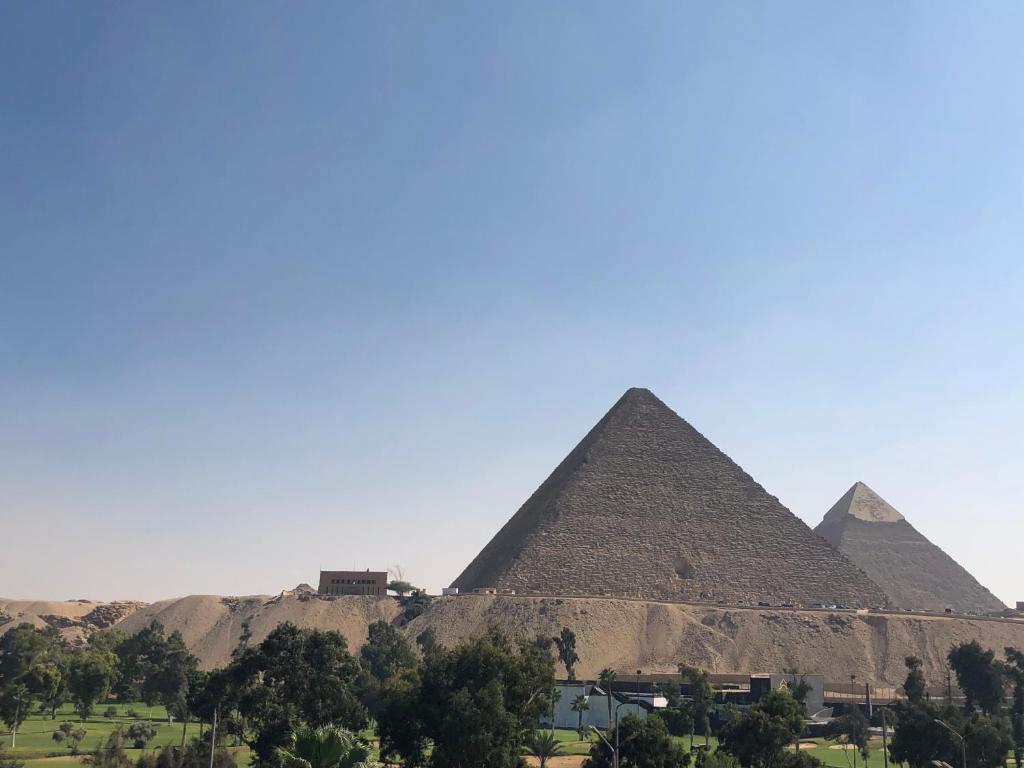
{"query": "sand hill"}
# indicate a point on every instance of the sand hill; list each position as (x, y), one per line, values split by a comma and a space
(646, 506)
(913, 572)
(212, 625)
(621, 633)
(76, 619)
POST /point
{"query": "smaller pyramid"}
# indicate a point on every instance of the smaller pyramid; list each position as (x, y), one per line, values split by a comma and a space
(913, 572)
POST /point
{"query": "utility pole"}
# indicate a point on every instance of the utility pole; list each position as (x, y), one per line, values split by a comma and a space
(867, 697)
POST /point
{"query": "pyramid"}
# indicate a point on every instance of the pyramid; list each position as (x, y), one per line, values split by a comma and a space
(645, 506)
(913, 572)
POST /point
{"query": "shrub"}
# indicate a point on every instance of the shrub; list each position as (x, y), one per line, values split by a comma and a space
(71, 733)
(141, 732)
(110, 753)
(195, 755)
(110, 712)
(8, 762)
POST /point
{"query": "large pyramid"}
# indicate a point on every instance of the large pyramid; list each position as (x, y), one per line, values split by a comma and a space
(645, 506)
(913, 572)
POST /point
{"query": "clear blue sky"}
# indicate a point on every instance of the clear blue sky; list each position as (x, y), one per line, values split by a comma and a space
(291, 285)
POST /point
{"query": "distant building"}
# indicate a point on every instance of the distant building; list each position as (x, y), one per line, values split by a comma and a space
(814, 697)
(623, 702)
(353, 583)
(1020, 606)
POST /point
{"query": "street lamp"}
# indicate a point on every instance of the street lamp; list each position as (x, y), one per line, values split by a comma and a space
(615, 752)
(638, 693)
(963, 743)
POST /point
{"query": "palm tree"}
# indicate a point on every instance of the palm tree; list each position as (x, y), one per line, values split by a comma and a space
(606, 677)
(579, 706)
(325, 747)
(556, 696)
(543, 745)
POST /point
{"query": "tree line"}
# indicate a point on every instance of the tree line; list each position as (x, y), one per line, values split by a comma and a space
(301, 694)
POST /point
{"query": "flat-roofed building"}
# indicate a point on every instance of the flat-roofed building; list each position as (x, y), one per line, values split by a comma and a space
(353, 583)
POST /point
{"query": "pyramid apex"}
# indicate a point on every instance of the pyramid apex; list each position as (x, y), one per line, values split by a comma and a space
(864, 504)
(639, 392)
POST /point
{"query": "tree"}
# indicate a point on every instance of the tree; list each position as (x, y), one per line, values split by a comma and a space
(988, 740)
(90, 676)
(386, 651)
(1015, 671)
(918, 739)
(138, 657)
(20, 647)
(852, 729)
(566, 645)
(644, 744)
(467, 706)
(703, 696)
(427, 641)
(543, 745)
(294, 675)
(15, 704)
(979, 675)
(400, 587)
(607, 677)
(325, 747)
(243, 639)
(579, 706)
(678, 720)
(914, 685)
(759, 736)
(140, 733)
(67, 732)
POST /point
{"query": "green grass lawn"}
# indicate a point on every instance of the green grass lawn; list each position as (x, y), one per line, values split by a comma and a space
(36, 747)
(572, 745)
(834, 758)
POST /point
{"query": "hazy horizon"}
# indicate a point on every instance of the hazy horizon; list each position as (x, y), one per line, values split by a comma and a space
(339, 285)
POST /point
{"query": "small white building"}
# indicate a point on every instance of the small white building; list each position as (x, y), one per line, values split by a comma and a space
(623, 702)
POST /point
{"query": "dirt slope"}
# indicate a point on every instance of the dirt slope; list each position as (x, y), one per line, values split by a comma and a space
(655, 637)
(76, 619)
(618, 633)
(212, 625)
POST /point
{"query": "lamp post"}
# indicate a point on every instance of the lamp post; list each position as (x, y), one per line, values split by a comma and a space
(638, 693)
(615, 752)
(963, 742)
